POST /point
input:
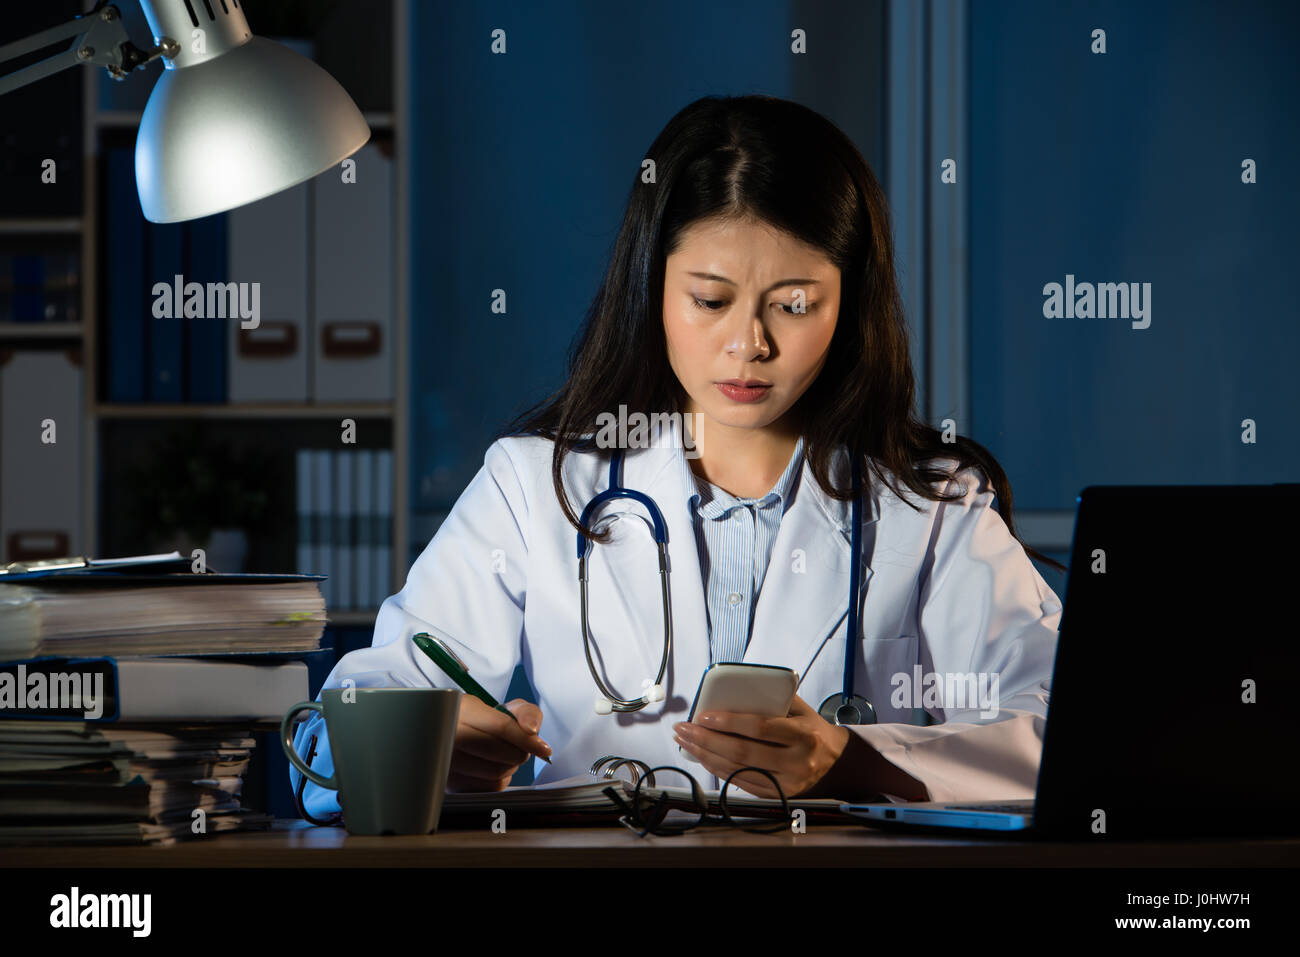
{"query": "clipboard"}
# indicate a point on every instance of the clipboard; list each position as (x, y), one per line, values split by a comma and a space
(168, 568)
(18, 571)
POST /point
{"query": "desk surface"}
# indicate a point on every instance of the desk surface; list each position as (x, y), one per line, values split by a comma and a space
(297, 844)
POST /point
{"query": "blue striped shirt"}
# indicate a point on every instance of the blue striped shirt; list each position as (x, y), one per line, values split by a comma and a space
(735, 538)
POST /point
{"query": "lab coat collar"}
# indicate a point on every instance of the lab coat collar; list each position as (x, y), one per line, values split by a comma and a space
(667, 449)
(805, 591)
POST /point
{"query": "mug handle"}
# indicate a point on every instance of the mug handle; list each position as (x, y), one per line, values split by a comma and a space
(286, 742)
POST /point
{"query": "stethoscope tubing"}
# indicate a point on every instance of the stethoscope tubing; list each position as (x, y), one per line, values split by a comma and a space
(616, 490)
(849, 702)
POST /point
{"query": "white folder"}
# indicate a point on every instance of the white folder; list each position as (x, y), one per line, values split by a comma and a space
(267, 244)
(40, 482)
(352, 339)
(345, 507)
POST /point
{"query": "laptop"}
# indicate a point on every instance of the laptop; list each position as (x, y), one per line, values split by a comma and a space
(1173, 708)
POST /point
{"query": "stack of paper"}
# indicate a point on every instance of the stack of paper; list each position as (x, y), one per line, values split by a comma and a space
(120, 721)
(158, 615)
(76, 782)
(582, 793)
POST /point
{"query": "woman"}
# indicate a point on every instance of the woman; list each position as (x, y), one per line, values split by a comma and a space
(751, 295)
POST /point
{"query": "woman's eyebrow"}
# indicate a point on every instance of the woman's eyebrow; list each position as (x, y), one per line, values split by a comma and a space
(775, 285)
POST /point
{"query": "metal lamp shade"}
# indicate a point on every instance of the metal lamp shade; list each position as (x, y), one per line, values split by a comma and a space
(239, 127)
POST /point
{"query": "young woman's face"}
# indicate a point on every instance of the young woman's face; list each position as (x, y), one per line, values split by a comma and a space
(731, 315)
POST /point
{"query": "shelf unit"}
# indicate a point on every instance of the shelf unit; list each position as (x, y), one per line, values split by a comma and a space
(53, 224)
(87, 332)
(40, 330)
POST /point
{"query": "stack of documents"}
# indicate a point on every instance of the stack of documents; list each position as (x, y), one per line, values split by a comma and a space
(131, 690)
(179, 613)
(77, 782)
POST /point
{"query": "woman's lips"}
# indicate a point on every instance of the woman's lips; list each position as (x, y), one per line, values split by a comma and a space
(739, 393)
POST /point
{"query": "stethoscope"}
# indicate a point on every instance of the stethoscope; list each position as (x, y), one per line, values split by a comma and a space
(331, 821)
(838, 709)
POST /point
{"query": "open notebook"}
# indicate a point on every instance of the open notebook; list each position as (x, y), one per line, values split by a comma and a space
(584, 793)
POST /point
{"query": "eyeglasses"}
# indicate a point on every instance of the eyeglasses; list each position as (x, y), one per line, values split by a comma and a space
(645, 814)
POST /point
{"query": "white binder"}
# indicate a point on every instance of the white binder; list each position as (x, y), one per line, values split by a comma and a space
(267, 244)
(323, 494)
(352, 339)
(364, 548)
(383, 525)
(40, 482)
(345, 507)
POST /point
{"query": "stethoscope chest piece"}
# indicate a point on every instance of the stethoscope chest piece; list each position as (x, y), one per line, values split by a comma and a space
(856, 710)
(844, 708)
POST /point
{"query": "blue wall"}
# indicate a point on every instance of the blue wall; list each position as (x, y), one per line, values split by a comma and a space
(1127, 167)
(521, 167)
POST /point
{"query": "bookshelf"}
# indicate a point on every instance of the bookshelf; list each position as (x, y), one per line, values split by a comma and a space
(103, 422)
(54, 224)
(40, 330)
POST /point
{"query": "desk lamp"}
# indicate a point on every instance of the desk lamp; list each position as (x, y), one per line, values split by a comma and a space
(234, 118)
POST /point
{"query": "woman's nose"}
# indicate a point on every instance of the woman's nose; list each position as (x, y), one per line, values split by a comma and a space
(748, 340)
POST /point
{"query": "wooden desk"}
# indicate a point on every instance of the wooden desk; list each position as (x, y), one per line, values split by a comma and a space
(297, 844)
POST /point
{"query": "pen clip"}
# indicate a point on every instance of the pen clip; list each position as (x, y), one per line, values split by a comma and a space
(451, 654)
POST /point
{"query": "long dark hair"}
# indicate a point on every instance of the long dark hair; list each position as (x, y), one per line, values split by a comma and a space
(775, 161)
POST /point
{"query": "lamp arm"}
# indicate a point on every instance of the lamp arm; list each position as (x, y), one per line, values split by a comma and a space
(101, 40)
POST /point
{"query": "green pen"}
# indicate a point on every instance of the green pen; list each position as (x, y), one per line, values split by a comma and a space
(446, 659)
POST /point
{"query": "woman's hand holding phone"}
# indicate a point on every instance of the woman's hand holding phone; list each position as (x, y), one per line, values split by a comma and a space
(798, 749)
(808, 755)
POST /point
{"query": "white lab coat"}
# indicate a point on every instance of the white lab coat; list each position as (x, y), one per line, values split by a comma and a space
(946, 588)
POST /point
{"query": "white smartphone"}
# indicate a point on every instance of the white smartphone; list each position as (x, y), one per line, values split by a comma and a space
(766, 690)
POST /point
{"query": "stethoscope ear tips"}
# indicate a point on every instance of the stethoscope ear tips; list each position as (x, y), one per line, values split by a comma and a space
(603, 705)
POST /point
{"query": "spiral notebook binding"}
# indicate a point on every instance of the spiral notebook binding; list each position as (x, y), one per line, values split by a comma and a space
(615, 762)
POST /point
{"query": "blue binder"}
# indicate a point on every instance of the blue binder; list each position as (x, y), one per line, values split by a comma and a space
(125, 279)
(166, 261)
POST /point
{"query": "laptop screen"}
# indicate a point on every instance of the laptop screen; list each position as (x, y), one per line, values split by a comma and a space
(1173, 707)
